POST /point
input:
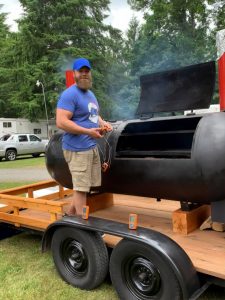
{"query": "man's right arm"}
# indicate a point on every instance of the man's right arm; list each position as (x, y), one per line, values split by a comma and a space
(63, 121)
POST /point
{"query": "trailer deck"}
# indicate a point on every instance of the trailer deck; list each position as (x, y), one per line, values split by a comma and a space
(206, 249)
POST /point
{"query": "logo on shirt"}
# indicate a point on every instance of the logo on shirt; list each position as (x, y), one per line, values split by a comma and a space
(93, 110)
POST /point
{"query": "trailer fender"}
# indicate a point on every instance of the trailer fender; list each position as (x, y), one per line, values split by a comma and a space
(174, 255)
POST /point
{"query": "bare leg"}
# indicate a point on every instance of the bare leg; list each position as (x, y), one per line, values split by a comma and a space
(78, 200)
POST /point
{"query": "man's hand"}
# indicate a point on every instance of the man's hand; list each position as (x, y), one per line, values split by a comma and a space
(95, 133)
(106, 127)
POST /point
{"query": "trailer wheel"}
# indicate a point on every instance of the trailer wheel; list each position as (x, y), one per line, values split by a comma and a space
(80, 257)
(138, 271)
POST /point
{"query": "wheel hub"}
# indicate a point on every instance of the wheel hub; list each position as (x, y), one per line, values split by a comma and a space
(74, 257)
(11, 155)
(142, 277)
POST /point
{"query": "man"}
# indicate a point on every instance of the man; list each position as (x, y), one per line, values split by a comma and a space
(78, 115)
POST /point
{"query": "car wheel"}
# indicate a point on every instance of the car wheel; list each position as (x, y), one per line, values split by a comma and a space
(36, 154)
(10, 155)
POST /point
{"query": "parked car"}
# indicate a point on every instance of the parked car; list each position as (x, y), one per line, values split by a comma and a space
(13, 145)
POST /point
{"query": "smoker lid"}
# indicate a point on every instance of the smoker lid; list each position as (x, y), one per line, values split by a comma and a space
(181, 89)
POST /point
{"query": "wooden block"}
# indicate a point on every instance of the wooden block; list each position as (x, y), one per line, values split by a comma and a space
(185, 222)
(111, 240)
(99, 201)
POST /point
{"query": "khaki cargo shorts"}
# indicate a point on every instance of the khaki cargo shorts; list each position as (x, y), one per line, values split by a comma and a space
(85, 168)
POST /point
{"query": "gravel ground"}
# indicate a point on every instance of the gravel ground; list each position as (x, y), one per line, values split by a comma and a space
(27, 174)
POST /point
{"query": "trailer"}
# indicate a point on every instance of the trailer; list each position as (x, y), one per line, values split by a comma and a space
(165, 257)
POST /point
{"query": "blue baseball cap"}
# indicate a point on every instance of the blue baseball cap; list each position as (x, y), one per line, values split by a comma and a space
(80, 63)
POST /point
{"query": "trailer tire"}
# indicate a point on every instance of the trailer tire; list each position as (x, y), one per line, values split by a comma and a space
(140, 272)
(80, 257)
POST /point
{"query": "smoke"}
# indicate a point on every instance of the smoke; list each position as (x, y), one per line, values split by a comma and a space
(64, 63)
(154, 55)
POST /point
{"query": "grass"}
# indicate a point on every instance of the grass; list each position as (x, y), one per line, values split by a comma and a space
(26, 274)
(23, 161)
(8, 185)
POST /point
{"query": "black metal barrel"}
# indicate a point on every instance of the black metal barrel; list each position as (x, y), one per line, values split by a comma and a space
(178, 158)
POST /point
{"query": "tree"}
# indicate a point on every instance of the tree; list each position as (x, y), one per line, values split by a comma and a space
(51, 34)
(6, 45)
(175, 33)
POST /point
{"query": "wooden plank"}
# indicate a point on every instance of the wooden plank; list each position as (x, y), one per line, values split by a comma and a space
(145, 202)
(185, 222)
(34, 214)
(55, 196)
(37, 206)
(32, 200)
(26, 221)
(40, 204)
(6, 208)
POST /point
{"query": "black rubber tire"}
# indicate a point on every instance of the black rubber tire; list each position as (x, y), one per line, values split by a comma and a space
(10, 155)
(95, 252)
(36, 154)
(166, 287)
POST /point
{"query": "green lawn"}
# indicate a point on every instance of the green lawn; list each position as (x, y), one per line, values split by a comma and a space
(27, 274)
(8, 185)
(23, 161)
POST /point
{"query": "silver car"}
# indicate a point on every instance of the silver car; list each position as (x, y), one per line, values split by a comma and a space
(13, 145)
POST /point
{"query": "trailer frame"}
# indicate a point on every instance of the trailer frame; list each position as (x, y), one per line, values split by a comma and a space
(107, 216)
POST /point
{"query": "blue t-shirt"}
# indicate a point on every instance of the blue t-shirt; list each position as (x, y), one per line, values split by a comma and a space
(85, 109)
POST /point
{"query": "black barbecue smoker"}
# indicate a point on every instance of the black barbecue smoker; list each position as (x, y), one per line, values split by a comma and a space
(163, 153)
(178, 157)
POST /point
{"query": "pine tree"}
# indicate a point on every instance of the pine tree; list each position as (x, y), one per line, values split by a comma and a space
(51, 34)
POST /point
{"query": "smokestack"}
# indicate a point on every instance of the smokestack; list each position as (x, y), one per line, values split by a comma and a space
(69, 78)
(220, 43)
